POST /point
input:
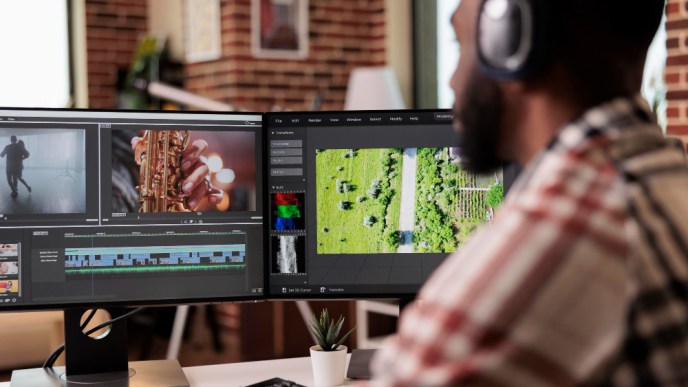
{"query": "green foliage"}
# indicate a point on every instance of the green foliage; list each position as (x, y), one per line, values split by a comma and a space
(369, 220)
(374, 190)
(495, 196)
(435, 205)
(386, 197)
(326, 331)
(344, 186)
(392, 240)
(349, 153)
(377, 172)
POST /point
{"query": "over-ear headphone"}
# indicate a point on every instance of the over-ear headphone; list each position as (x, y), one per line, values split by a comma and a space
(512, 38)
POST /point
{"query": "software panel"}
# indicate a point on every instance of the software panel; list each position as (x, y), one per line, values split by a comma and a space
(94, 209)
(367, 203)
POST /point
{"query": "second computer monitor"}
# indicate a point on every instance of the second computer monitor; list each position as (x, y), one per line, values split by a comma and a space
(367, 204)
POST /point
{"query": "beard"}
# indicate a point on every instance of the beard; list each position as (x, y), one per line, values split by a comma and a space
(480, 119)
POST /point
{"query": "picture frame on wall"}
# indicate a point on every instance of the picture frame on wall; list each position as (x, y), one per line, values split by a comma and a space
(279, 29)
(203, 32)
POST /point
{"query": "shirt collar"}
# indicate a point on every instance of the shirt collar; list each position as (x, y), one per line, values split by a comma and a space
(608, 119)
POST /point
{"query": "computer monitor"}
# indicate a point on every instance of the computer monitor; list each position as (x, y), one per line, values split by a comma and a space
(367, 204)
(95, 210)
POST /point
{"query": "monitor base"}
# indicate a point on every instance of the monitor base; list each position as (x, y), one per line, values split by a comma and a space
(162, 373)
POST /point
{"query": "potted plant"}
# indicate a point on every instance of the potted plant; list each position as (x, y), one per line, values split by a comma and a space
(328, 356)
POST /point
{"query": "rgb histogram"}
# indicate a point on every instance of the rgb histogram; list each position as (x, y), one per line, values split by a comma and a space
(287, 210)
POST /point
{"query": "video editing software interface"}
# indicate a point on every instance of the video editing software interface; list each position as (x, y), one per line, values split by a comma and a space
(367, 203)
(129, 207)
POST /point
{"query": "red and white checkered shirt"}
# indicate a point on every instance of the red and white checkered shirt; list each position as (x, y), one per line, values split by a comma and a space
(582, 278)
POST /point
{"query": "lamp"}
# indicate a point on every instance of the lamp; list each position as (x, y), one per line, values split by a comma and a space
(373, 88)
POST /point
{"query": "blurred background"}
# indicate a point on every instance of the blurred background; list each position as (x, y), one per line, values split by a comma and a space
(252, 55)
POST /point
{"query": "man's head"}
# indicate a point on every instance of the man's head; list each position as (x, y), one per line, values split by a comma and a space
(595, 51)
(4, 267)
(13, 139)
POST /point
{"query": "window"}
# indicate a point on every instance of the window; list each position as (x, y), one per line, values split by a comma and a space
(448, 55)
(34, 41)
(437, 54)
(654, 88)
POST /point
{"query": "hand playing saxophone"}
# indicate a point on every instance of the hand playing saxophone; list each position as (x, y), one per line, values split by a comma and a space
(195, 185)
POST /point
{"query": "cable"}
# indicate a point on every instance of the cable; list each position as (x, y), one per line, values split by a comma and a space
(58, 351)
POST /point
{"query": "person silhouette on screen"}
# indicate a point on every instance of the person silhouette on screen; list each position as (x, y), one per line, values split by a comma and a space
(16, 154)
(25, 155)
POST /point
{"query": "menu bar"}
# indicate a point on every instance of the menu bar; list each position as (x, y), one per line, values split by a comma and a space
(358, 118)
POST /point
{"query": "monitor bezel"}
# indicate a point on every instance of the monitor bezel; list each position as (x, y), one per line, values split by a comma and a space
(339, 297)
(145, 303)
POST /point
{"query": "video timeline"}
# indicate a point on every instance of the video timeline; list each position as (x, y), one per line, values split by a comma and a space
(155, 259)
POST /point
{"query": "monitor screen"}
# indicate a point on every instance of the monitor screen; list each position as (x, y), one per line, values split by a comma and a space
(367, 204)
(105, 208)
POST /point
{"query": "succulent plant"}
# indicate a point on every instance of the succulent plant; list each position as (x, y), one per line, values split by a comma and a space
(326, 331)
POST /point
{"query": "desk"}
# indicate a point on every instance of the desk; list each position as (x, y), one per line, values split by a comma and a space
(240, 374)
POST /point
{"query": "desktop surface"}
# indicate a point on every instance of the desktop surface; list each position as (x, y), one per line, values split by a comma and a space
(241, 374)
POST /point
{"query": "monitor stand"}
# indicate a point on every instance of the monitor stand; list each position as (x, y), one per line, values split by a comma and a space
(101, 361)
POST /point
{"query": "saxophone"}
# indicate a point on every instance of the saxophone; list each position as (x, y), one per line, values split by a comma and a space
(159, 156)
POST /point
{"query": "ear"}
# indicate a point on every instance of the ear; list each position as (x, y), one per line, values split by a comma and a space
(515, 90)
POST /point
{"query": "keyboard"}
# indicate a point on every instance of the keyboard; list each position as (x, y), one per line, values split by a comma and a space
(276, 382)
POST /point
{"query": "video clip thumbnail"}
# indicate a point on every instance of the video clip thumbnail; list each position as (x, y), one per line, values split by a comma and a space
(183, 171)
(46, 171)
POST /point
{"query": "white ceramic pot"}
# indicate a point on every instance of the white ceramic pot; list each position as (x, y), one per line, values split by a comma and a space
(328, 367)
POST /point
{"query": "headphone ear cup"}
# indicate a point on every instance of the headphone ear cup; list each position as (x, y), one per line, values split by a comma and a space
(507, 38)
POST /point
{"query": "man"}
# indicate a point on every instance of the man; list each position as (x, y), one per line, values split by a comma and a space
(582, 277)
(16, 154)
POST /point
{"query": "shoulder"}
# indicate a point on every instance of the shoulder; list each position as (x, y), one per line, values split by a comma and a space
(574, 206)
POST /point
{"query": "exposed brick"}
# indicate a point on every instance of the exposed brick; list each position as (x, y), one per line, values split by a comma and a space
(673, 43)
(113, 29)
(677, 60)
(673, 112)
(680, 24)
(677, 130)
(672, 8)
(672, 78)
(343, 34)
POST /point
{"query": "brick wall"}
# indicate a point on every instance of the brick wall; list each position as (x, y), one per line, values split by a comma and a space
(676, 74)
(113, 28)
(343, 34)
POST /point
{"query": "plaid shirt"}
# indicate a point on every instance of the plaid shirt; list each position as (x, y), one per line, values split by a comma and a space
(582, 278)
